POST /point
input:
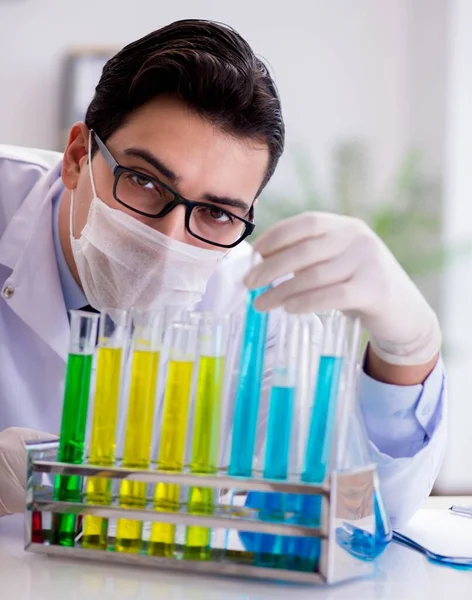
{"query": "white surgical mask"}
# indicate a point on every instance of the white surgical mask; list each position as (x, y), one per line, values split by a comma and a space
(123, 263)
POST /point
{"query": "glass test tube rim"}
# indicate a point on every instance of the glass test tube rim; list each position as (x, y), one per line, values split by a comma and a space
(335, 331)
(82, 341)
(146, 328)
(214, 335)
(287, 351)
(122, 323)
(183, 349)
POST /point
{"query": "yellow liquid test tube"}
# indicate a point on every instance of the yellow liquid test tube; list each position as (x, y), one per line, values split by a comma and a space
(213, 341)
(111, 340)
(172, 443)
(146, 346)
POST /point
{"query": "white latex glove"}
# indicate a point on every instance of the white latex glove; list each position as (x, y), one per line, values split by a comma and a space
(339, 263)
(13, 467)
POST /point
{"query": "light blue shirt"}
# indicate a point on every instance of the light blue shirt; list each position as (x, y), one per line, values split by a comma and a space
(74, 297)
(401, 420)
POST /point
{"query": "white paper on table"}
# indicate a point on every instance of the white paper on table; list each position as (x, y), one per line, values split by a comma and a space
(441, 532)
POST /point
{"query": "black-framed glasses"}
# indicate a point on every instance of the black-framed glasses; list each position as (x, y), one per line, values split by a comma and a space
(150, 197)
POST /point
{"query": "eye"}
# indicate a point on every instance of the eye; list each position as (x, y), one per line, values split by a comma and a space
(142, 181)
(218, 215)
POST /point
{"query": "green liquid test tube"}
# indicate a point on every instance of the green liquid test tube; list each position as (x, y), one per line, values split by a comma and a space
(111, 341)
(68, 488)
(213, 341)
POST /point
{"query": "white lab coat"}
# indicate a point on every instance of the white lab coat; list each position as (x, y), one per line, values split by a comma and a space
(34, 327)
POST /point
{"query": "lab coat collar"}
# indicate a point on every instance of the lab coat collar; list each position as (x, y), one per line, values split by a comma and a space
(27, 248)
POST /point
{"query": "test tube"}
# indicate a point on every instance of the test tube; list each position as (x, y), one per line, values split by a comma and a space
(111, 340)
(282, 398)
(320, 436)
(305, 338)
(233, 352)
(249, 388)
(279, 432)
(146, 345)
(347, 409)
(83, 337)
(326, 395)
(213, 342)
(173, 432)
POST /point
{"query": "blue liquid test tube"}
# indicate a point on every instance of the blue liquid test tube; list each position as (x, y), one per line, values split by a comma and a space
(320, 436)
(311, 338)
(305, 341)
(269, 549)
(249, 388)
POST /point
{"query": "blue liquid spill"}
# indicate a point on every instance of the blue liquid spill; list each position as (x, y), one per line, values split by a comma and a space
(448, 563)
(363, 544)
(249, 389)
(458, 563)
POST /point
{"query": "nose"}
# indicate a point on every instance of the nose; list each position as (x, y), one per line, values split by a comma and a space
(173, 224)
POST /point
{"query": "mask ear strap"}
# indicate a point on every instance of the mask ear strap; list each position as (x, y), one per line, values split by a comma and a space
(90, 163)
(71, 212)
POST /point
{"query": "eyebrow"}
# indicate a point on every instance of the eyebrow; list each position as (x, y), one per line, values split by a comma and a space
(154, 162)
(225, 201)
(169, 174)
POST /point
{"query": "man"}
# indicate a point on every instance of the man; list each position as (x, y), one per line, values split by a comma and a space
(151, 204)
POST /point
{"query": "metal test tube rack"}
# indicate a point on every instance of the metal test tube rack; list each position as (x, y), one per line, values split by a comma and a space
(347, 498)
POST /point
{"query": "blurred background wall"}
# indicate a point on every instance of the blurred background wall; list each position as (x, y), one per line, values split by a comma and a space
(377, 99)
(344, 69)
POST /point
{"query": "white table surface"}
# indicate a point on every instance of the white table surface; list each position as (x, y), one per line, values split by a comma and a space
(401, 574)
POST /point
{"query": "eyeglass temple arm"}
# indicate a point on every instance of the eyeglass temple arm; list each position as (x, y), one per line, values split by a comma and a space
(107, 155)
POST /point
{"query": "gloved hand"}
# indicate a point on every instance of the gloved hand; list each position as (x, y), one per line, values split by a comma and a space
(13, 467)
(338, 262)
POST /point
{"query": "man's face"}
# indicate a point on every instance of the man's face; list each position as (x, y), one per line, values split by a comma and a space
(170, 142)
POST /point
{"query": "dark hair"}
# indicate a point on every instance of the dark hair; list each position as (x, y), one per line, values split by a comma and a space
(209, 66)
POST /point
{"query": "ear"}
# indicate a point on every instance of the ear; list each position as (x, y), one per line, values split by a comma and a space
(75, 155)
